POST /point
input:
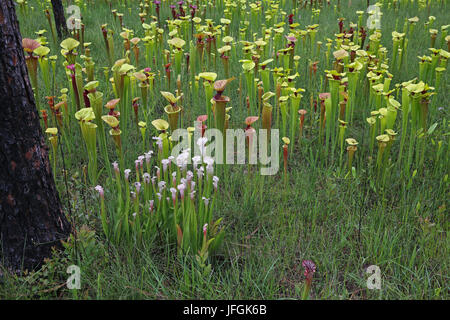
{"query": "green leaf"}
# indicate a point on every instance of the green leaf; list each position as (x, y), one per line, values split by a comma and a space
(160, 124)
(210, 76)
(170, 97)
(85, 114)
(248, 65)
(91, 85)
(53, 131)
(432, 128)
(41, 51)
(111, 120)
(69, 44)
(176, 42)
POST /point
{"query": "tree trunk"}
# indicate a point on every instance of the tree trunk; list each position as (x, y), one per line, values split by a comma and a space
(31, 218)
(60, 20)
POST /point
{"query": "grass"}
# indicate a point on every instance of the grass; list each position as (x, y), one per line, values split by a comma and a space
(343, 225)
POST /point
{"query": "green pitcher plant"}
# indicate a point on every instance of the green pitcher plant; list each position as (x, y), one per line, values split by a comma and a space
(85, 116)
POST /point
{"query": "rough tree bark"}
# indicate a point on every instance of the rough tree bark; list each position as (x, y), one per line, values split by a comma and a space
(31, 218)
(60, 20)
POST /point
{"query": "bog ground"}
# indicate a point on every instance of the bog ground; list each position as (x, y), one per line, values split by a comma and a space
(358, 97)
